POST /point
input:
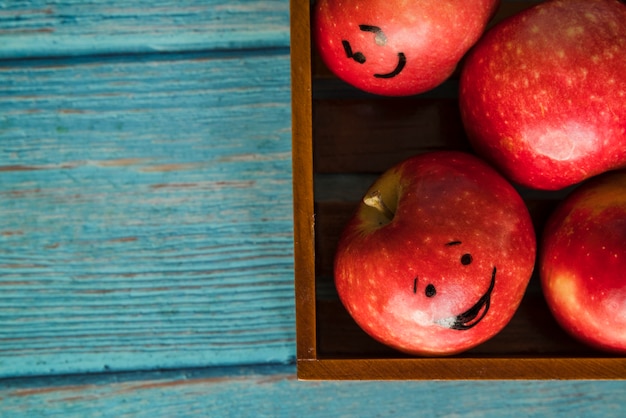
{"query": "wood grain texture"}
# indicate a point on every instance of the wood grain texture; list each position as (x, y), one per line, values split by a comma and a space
(145, 212)
(40, 28)
(302, 163)
(275, 392)
(145, 222)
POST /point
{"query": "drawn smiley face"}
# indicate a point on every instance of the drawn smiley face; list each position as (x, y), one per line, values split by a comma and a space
(372, 54)
(475, 313)
(379, 39)
(447, 267)
(396, 47)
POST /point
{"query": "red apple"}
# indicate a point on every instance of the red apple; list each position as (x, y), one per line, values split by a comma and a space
(543, 93)
(397, 47)
(582, 262)
(437, 256)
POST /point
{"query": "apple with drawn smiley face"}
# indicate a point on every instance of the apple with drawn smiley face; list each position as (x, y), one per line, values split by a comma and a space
(437, 256)
(397, 47)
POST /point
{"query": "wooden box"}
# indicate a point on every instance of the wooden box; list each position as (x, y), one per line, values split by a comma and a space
(342, 140)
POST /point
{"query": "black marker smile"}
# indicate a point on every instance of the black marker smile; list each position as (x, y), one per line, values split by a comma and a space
(473, 315)
(397, 70)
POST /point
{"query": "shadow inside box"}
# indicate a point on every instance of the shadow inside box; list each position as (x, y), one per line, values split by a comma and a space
(531, 332)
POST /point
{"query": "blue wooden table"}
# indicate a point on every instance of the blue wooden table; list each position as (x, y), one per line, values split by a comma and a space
(146, 256)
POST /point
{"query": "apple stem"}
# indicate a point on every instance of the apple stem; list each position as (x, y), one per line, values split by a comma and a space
(375, 200)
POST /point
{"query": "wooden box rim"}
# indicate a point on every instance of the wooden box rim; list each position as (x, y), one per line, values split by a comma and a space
(311, 365)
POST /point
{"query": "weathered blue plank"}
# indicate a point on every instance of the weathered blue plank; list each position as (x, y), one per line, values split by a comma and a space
(40, 28)
(274, 392)
(145, 213)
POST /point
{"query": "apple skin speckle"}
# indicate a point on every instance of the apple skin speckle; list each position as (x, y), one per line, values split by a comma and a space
(542, 93)
(583, 259)
(431, 36)
(457, 228)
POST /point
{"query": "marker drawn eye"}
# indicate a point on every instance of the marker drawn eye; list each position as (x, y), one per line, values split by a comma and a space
(466, 259)
(430, 291)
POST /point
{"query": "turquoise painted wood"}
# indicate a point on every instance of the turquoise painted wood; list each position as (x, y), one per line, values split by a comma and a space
(274, 392)
(41, 28)
(146, 222)
(145, 212)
